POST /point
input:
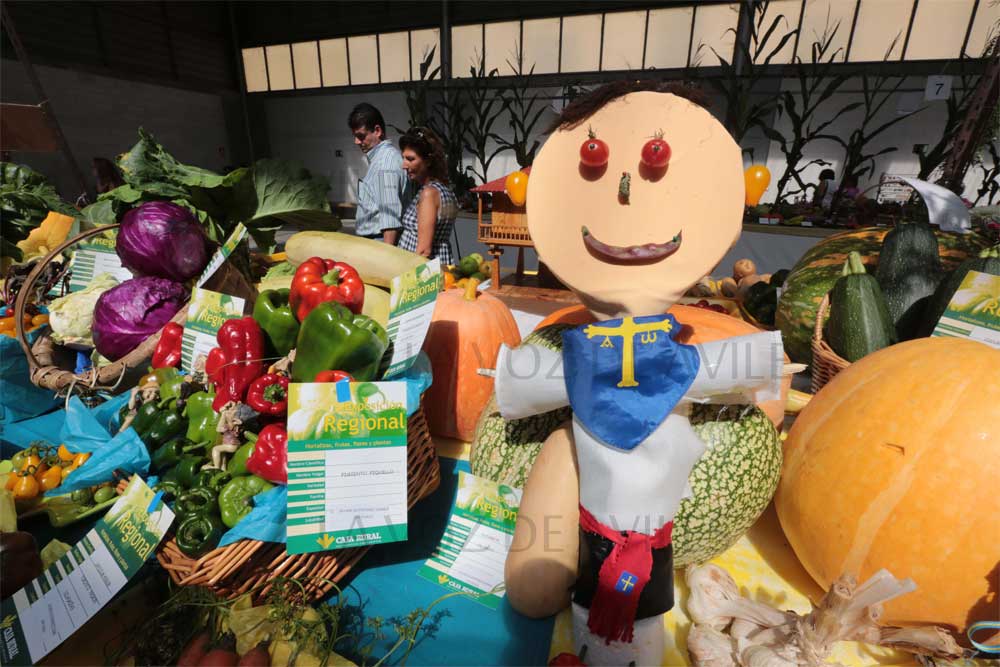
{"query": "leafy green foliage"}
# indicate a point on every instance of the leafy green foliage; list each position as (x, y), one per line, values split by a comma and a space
(486, 105)
(525, 110)
(263, 197)
(25, 199)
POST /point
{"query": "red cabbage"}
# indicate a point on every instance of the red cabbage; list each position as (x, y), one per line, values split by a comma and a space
(164, 240)
(130, 313)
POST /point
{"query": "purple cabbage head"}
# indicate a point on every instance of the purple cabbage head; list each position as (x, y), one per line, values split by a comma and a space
(163, 240)
(130, 313)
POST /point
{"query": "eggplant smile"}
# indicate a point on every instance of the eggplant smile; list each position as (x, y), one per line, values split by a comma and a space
(647, 253)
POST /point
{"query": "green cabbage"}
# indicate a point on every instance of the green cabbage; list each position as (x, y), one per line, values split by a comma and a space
(71, 316)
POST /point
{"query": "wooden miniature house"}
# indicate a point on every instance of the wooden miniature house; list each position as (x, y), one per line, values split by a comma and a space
(507, 227)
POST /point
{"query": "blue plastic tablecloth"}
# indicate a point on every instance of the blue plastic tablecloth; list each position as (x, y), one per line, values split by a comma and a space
(386, 582)
(468, 633)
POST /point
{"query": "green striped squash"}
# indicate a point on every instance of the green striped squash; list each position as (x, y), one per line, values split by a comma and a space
(816, 272)
(732, 484)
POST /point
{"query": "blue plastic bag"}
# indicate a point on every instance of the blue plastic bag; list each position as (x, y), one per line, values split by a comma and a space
(87, 431)
(19, 399)
(267, 521)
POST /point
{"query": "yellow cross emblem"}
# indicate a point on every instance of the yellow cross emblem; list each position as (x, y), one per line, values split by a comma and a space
(627, 331)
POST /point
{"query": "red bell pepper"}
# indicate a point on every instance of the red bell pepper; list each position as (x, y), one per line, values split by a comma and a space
(318, 280)
(566, 660)
(268, 395)
(270, 455)
(168, 350)
(237, 362)
(333, 376)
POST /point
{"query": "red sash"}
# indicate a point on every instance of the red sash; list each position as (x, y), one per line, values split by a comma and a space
(623, 575)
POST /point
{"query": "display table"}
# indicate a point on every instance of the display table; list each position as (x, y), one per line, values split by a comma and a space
(772, 247)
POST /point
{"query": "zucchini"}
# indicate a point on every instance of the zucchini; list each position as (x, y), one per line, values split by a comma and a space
(987, 262)
(377, 262)
(909, 270)
(859, 321)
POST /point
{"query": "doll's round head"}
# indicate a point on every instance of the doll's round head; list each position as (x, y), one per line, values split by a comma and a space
(635, 197)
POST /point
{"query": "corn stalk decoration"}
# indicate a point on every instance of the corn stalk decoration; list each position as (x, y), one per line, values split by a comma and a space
(815, 85)
(876, 89)
(524, 110)
(990, 187)
(485, 105)
(737, 85)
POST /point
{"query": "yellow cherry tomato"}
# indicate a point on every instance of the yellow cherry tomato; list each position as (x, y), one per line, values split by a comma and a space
(27, 487)
(80, 459)
(65, 454)
(7, 324)
(29, 461)
(11, 481)
(52, 478)
(756, 178)
(449, 279)
(516, 187)
(39, 320)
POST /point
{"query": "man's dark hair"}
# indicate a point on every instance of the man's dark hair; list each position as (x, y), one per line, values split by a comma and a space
(827, 175)
(366, 116)
(582, 108)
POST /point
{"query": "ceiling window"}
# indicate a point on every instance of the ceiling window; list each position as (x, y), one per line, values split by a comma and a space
(503, 47)
(279, 67)
(983, 24)
(333, 62)
(624, 37)
(822, 21)
(255, 70)
(714, 33)
(668, 37)
(881, 30)
(787, 12)
(466, 49)
(363, 54)
(581, 42)
(394, 56)
(424, 43)
(305, 61)
(541, 45)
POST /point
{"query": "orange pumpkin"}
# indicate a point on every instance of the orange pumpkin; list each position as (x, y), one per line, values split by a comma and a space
(700, 325)
(894, 464)
(466, 331)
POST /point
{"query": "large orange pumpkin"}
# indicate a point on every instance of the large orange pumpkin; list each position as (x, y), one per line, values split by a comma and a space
(466, 331)
(895, 464)
(700, 326)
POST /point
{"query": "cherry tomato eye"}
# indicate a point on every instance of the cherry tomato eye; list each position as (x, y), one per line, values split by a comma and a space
(656, 153)
(594, 152)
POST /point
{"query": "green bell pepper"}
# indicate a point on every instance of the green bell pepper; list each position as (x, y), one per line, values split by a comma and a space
(332, 338)
(144, 417)
(188, 468)
(212, 479)
(235, 499)
(170, 489)
(237, 466)
(198, 534)
(170, 382)
(275, 317)
(167, 426)
(196, 502)
(202, 419)
(169, 454)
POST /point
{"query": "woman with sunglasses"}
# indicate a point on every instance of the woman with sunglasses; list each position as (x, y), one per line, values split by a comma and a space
(430, 217)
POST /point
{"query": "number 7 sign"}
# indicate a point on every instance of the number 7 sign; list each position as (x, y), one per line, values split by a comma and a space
(938, 88)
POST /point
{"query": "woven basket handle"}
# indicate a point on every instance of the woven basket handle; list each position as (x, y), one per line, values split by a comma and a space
(824, 305)
(29, 283)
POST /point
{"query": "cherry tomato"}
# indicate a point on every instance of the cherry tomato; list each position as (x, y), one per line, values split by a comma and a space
(656, 152)
(594, 152)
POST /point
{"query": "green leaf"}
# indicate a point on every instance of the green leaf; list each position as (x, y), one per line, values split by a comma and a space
(25, 200)
(150, 168)
(280, 192)
(100, 213)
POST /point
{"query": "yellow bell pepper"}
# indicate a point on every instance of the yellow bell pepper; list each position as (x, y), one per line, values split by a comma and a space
(41, 240)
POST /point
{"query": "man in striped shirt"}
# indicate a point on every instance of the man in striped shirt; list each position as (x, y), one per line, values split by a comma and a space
(385, 191)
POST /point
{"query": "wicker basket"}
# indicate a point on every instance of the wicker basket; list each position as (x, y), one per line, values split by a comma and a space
(49, 364)
(248, 564)
(825, 362)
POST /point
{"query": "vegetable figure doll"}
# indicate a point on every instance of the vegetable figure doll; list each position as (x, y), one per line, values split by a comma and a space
(594, 528)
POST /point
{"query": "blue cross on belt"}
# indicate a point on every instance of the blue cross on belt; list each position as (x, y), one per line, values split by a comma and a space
(626, 583)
